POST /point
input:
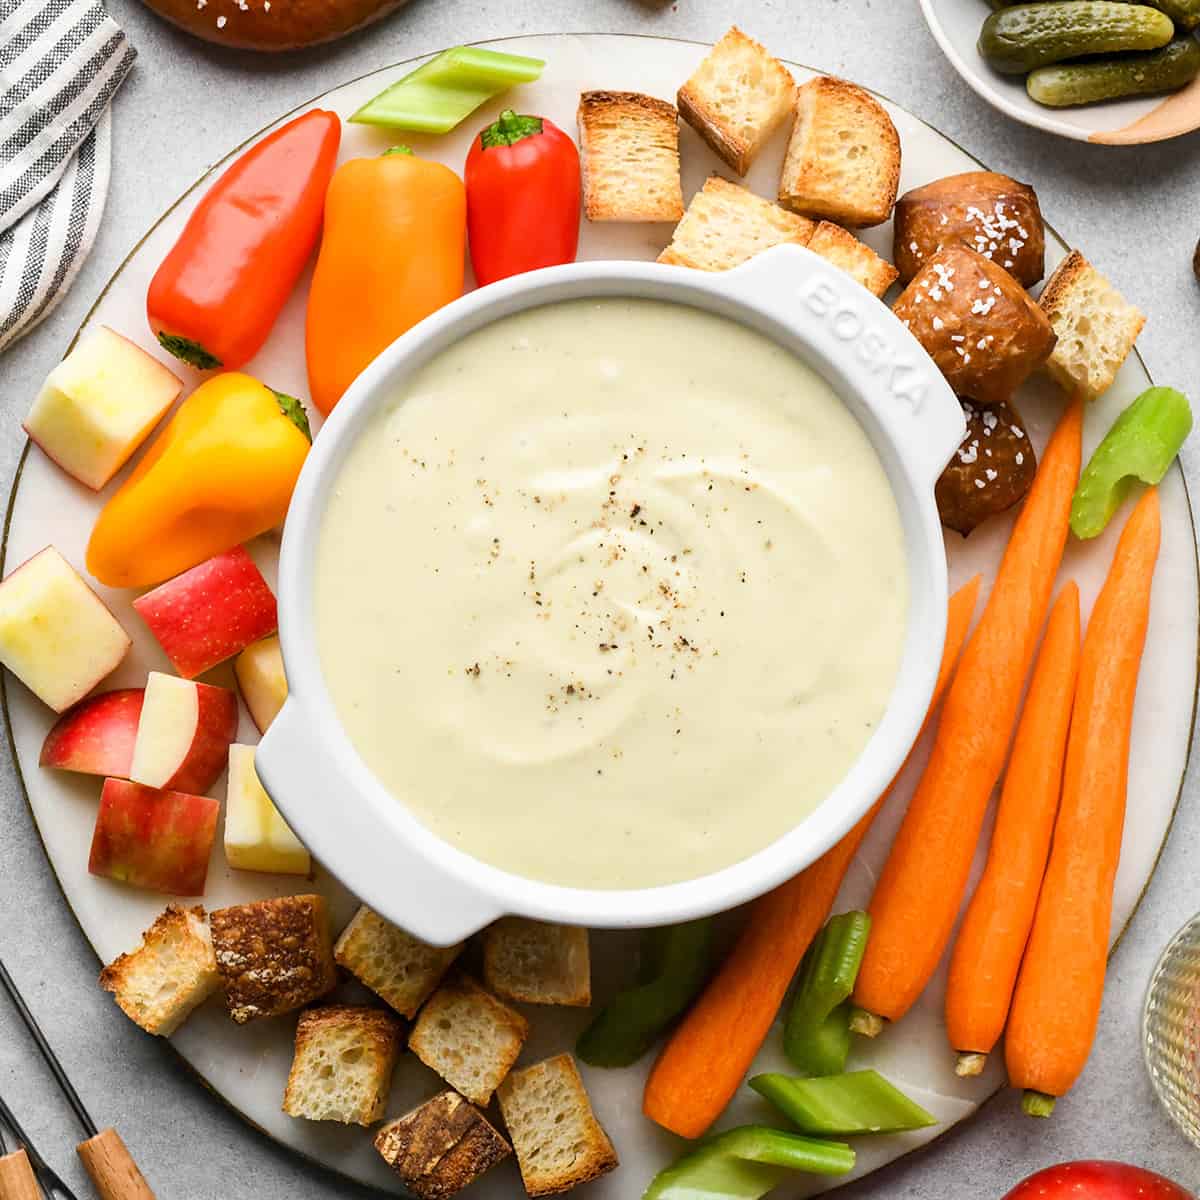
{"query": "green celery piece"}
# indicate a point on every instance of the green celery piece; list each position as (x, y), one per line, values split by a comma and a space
(446, 90)
(675, 964)
(816, 1035)
(1141, 444)
(842, 1105)
(746, 1163)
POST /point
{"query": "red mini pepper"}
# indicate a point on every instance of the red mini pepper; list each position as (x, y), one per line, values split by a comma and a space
(217, 294)
(522, 179)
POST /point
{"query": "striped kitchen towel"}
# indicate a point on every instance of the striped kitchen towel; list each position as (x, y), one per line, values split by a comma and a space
(60, 63)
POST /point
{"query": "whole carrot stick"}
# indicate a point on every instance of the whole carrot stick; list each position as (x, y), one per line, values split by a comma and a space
(918, 895)
(991, 940)
(707, 1056)
(1057, 1002)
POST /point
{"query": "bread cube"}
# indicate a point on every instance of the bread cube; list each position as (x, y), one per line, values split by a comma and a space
(843, 159)
(629, 147)
(468, 1037)
(169, 975)
(840, 247)
(557, 1139)
(727, 224)
(257, 838)
(342, 1068)
(1095, 324)
(441, 1147)
(396, 966)
(274, 955)
(737, 97)
(538, 963)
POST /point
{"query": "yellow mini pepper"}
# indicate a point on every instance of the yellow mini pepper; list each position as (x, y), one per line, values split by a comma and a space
(220, 473)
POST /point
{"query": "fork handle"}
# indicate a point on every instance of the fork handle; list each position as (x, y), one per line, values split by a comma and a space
(17, 1180)
(111, 1168)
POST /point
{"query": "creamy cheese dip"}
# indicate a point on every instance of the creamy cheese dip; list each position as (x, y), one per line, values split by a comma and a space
(612, 593)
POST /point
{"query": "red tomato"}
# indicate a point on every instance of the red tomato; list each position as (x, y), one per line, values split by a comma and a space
(1097, 1181)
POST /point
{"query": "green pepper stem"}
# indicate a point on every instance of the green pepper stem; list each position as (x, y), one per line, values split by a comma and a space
(400, 148)
(294, 411)
(969, 1065)
(866, 1024)
(509, 130)
(1037, 1104)
(188, 351)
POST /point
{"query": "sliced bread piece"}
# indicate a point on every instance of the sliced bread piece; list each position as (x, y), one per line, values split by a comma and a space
(1095, 324)
(441, 1147)
(557, 1139)
(468, 1037)
(629, 147)
(737, 97)
(342, 1068)
(843, 159)
(855, 257)
(396, 966)
(171, 973)
(538, 963)
(726, 224)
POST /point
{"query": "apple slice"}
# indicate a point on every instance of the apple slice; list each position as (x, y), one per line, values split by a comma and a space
(184, 734)
(98, 406)
(56, 635)
(96, 736)
(153, 839)
(259, 671)
(257, 838)
(210, 613)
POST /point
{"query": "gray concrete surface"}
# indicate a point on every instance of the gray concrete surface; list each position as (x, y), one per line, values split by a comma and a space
(185, 103)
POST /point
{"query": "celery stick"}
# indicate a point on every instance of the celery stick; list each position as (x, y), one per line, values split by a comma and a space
(446, 90)
(859, 1102)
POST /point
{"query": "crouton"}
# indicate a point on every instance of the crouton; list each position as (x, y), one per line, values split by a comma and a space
(342, 1068)
(856, 258)
(737, 97)
(172, 972)
(468, 1037)
(440, 1147)
(557, 1139)
(630, 157)
(538, 963)
(1095, 324)
(274, 955)
(396, 966)
(726, 224)
(843, 159)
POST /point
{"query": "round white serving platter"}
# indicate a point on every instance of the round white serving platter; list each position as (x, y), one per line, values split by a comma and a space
(247, 1066)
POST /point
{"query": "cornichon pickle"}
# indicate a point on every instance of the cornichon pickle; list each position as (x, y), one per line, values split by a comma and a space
(1185, 13)
(1020, 39)
(1066, 84)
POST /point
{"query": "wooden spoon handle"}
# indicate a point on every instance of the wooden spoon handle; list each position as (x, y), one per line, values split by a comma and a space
(17, 1180)
(112, 1168)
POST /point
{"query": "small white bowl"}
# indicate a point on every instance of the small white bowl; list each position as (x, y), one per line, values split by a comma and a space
(368, 839)
(955, 25)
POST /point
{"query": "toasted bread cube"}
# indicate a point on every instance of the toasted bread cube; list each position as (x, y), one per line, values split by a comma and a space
(274, 955)
(468, 1037)
(630, 157)
(737, 97)
(727, 224)
(538, 963)
(441, 1147)
(171, 973)
(342, 1068)
(1095, 324)
(840, 247)
(843, 159)
(396, 966)
(557, 1139)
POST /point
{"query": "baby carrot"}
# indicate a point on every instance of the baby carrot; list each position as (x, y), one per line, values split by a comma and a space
(1057, 1002)
(987, 955)
(707, 1056)
(919, 892)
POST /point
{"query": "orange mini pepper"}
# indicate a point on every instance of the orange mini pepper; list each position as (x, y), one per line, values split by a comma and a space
(392, 253)
(220, 473)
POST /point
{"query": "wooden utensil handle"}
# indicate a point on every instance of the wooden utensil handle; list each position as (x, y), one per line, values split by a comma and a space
(17, 1180)
(112, 1168)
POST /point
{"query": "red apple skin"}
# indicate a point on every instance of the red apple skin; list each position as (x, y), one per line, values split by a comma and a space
(216, 727)
(153, 839)
(210, 613)
(1097, 1181)
(96, 736)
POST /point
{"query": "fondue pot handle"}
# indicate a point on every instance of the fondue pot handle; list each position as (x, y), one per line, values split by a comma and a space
(390, 862)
